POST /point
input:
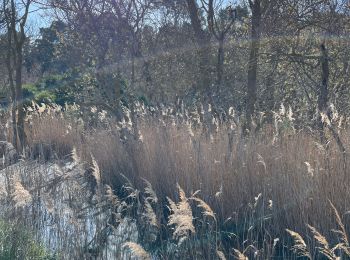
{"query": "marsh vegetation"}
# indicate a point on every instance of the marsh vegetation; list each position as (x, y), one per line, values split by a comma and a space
(182, 129)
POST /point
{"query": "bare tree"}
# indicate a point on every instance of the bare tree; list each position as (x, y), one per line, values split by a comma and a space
(256, 9)
(203, 42)
(15, 17)
(219, 27)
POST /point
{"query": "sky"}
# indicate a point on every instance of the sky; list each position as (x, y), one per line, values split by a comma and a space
(40, 17)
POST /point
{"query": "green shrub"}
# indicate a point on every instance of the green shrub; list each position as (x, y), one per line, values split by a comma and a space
(18, 243)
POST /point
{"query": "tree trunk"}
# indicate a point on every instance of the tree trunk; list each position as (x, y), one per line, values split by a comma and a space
(138, 54)
(203, 84)
(16, 40)
(253, 63)
(323, 90)
(220, 65)
(19, 100)
(322, 99)
(9, 66)
(14, 122)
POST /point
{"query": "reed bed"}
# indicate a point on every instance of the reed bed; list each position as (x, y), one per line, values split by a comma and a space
(197, 184)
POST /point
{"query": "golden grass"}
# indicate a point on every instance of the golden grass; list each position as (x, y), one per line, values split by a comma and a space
(239, 255)
(221, 255)
(21, 196)
(137, 251)
(206, 209)
(342, 234)
(96, 170)
(299, 247)
(323, 244)
(151, 194)
(150, 215)
(181, 217)
(296, 175)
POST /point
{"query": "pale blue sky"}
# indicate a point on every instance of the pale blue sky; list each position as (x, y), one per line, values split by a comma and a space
(39, 18)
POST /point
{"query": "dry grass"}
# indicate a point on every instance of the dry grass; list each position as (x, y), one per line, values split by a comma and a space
(206, 209)
(295, 175)
(221, 255)
(137, 251)
(21, 196)
(51, 134)
(323, 244)
(150, 215)
(299, 247)
(239, 255)
(181, 217)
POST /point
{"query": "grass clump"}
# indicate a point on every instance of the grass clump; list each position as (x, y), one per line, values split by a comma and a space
(18, 243)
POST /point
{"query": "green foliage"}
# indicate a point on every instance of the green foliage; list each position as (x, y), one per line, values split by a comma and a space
(57, 89)
(45, 50)
(17, 243)
(75, 86)
(33, 92)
